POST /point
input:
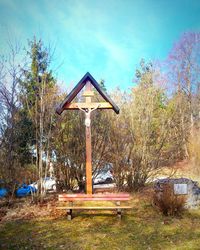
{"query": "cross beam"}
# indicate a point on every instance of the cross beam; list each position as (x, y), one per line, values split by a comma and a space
(92, 105)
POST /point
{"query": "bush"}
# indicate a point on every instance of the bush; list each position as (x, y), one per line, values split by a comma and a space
(194, 151)
(167, 202)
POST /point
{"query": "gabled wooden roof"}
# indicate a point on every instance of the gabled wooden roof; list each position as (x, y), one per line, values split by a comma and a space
(87, 77)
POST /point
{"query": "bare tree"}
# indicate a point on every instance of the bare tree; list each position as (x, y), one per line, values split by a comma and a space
(10, 73)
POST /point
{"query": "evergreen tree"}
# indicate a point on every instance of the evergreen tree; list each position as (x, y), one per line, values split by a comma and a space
(38, 89)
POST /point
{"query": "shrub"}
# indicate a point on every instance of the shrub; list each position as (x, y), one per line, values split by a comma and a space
(194, 151)
(167, 202)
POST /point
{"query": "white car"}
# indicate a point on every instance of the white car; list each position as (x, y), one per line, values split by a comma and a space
(49, 183)
(103, 177)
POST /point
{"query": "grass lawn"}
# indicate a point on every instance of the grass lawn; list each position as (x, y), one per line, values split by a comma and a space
(141, 228)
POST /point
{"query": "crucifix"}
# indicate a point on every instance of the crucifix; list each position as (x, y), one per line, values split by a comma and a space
(87, 107)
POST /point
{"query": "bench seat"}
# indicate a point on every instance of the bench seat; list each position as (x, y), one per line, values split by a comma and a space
(95, 208)
(113, 197)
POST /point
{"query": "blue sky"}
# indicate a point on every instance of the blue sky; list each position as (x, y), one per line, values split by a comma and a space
(105, 37)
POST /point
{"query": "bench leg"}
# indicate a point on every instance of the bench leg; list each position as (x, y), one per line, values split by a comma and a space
(69, 214)
(119, 213)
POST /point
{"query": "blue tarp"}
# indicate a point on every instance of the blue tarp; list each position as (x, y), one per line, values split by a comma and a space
(3, 192)
(25, 190)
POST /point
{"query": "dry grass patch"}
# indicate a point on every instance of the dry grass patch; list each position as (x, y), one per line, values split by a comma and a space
(141, 228)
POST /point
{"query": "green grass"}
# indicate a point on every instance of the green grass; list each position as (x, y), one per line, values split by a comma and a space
(141, 228)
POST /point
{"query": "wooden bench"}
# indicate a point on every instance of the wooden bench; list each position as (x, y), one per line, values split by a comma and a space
(114, 197)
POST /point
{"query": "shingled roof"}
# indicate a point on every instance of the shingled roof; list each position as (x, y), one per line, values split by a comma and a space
(87, 77)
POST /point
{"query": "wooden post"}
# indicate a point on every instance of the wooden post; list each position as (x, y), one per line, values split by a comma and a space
(88, 144)
(88, 161)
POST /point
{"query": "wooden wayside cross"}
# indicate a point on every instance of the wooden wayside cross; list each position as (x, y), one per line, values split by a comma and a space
(87, 107)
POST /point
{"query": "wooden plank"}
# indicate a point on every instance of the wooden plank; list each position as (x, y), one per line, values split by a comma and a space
(94, 199)
(92, 105)
(79, 195)
(119, 196)
(94, 208)
(98, 196)
(87, 93)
